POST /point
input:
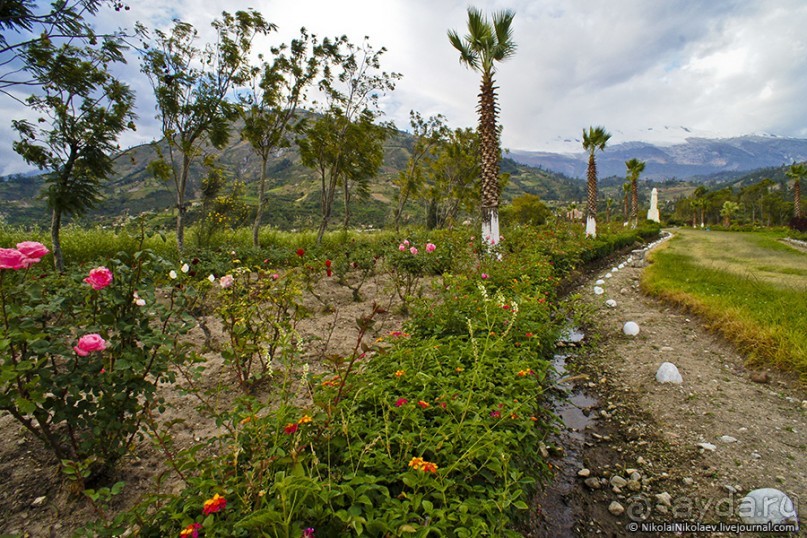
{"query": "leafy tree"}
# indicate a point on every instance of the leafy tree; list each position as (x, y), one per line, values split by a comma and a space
(529, 209)
(427, 135)
(797, 172)
(635, 168)
(269, 106)
(27, 23)
(487, 42)
(191, 86)
(83, 111)
(452, 178)
(344, 145)
(593, 140)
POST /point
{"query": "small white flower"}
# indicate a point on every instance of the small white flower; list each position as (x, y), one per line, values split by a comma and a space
(211, 278)
(172, 274)
(140, 302)
(185, 268)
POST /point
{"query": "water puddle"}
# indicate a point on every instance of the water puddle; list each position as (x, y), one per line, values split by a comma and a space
(574, 407)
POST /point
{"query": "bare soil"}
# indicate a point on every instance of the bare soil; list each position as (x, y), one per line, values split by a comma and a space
(756, 421)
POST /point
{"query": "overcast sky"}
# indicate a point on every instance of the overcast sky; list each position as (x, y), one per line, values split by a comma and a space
(649, 70)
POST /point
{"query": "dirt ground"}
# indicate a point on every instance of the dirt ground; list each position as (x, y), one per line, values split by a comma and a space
(754, 423)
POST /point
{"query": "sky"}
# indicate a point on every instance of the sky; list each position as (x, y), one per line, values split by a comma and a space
(647, 70)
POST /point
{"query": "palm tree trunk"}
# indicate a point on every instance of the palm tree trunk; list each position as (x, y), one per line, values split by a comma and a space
(797, 199)
(591, 207)
(55, 229)
(489, 149)
(634, 208)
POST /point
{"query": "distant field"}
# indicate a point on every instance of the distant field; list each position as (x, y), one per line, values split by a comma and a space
(751, 286)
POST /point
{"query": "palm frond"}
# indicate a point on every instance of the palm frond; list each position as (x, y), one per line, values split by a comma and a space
(503, 30)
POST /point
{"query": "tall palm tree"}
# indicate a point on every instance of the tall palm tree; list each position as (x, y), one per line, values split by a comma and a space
(797, 172)
(487, 42)
(635, 167)
(593, 140)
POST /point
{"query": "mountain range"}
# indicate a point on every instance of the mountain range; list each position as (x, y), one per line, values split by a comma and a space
(696, 158)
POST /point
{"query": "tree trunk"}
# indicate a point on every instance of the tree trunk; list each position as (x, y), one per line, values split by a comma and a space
(55, 229)
(346, 222)
(328, 194)
(183, 182)
(797, 199)
(489, 149)
(256, 226)
(634, 208)
(591, 206)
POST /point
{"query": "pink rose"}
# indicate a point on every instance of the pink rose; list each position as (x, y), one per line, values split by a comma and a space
(226, 281)
(484, 276)
(413, 250)
(402, 247)
(32, 249)
(430, 247)
(99, 278)
(11, 258)
(89, 343)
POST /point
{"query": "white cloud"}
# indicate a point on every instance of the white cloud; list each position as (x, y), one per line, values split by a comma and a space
(656, 71)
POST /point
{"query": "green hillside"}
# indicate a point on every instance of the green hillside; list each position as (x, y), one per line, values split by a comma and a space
(293, 190)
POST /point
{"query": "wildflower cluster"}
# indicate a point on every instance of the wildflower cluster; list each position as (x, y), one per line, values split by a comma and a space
(419, 464)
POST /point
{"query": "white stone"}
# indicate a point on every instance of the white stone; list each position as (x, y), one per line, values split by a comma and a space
(621, 266)
(39, 501)
(585, 473)
(668, 373)
(664, 498)
(707, 446)
(767, 505)
(598, 290)
(631, 328)
(608, 275)
(600, 282)
(728, 439)
(610, 303)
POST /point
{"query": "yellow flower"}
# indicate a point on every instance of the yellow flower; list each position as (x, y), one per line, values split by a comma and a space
(400, 373)
(304, 420)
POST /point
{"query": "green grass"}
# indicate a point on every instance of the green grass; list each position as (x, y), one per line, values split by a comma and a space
(756, 296)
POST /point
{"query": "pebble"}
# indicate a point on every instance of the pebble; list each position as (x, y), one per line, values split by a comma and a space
(608, 275)
(728, 439)
(592, 483)
(598, 290)
(780, 478)
(707, 446)
(584, 473)
(664, 498)
(635, 476)
(39, 501)
(634, 485)
(668, 373)
(688, 481)
(610, 303)
(618, 481)
(616, 508)
(731, 489)
(599, 282)
(640, 461)
(623, 291)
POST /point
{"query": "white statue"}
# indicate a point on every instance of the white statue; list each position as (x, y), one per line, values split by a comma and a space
(652, 213)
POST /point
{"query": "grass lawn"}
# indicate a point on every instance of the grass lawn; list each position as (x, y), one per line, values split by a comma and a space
(751, 286)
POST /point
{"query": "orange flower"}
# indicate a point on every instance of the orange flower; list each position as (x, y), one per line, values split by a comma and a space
(216, 504)
(423, 404)
(459, 369)
(305, 420)
(400, 373)
(419, 464)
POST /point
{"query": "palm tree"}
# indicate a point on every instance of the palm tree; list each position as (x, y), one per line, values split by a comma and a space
(635, 167)
(487, 42)
(593, 140)
(797, 172)
(626, 196)
(728, 210)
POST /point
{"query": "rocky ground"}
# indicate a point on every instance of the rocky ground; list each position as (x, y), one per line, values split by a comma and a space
(636, 450)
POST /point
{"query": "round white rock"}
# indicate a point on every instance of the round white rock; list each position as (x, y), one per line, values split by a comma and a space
(600, 282)
(598, 290)
(610, 303)
(767, 504)
(631, 328)
(668, 373)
